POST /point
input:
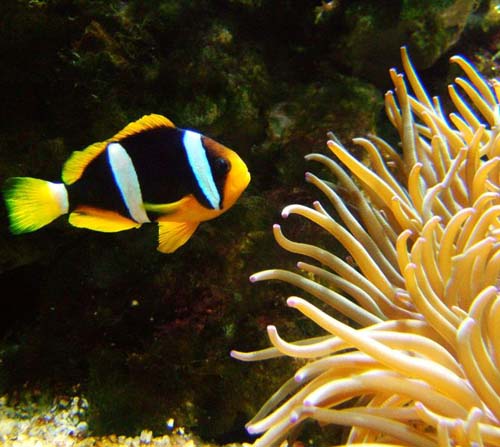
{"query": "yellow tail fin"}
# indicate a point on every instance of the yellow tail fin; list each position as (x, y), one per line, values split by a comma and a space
(33, 203)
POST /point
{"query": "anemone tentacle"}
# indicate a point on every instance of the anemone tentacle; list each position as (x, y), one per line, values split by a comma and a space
(426, 243)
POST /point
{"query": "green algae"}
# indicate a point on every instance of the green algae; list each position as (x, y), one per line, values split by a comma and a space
(372, 32)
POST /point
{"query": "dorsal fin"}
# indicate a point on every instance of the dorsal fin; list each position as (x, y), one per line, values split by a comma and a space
(79, 160)
(146, 122)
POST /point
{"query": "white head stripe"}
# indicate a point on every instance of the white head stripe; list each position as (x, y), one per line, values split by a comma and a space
(199, 164)
(127, 181)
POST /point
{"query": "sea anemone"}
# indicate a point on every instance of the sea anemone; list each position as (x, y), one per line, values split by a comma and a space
(421, 285)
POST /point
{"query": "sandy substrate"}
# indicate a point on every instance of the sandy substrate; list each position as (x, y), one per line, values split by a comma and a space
(64, 425)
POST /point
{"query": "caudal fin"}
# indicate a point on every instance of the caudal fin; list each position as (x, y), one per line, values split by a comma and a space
(33, 203)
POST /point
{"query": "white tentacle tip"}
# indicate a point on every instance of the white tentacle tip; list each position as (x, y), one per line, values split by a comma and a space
(293, 301)
(251, 430)
(271, 329)
(308, 402)
(299, 377)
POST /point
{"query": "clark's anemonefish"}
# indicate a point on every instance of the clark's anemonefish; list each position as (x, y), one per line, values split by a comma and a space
(151, 171)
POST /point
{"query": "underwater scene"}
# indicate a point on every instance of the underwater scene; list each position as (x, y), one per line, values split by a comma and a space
(247, 222)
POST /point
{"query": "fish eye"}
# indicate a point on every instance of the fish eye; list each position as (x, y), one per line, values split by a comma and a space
(221, 166)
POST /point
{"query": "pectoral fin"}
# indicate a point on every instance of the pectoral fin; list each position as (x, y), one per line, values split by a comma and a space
(101, 220)
(174, 234)
(166, 209)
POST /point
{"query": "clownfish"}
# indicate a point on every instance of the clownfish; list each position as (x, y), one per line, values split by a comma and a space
(151, 171)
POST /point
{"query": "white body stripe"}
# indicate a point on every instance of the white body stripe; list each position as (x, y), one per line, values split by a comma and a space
(198, 160)
(127, 181)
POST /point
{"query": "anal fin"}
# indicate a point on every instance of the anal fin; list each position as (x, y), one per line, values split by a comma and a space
(172, 235)
(101, 220)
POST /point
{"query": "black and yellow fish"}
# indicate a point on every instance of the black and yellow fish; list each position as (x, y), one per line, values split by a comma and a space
(151, 171)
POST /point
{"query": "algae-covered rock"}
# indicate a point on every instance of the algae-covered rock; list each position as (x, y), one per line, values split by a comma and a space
(370, 33)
